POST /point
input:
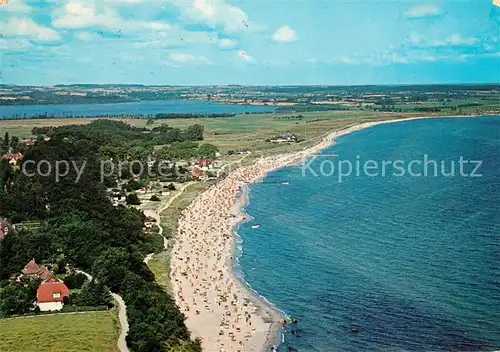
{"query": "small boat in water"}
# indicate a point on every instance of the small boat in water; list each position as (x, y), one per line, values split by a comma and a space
(285, 183)
(255, 226)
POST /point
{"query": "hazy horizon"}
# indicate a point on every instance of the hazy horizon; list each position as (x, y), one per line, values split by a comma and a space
(261, 85)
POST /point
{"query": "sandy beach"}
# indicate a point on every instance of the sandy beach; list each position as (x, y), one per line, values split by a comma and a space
(220, 309)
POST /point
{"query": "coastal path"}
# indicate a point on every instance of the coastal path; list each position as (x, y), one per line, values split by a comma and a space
(156, 215)
(122, 317)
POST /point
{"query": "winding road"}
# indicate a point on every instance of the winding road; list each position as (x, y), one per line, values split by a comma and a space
(122, 317)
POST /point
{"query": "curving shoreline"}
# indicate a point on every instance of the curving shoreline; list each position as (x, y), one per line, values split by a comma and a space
(204, 253)
(265, 308)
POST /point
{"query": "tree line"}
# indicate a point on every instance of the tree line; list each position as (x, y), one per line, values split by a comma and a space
(81, 228)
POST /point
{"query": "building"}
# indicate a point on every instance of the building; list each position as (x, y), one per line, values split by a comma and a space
(149, 222)
(205, 164)
(241, 151)
(50, 294)
(33, 271)
(198, 174)
(28, 141)
(5, 227)
(285, 138)
(13, 158)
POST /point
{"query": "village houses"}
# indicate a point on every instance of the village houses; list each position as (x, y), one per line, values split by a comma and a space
(33, 271)
(51, 292)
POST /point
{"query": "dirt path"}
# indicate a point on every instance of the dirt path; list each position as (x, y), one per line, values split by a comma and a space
(156, 215)
(122, 317)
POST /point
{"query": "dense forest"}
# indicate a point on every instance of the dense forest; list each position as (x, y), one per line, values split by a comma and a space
(81, 228)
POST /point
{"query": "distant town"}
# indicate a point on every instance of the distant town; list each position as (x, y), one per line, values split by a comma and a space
(467, 99)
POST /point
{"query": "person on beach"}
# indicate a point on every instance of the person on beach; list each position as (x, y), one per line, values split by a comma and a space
(215, 303)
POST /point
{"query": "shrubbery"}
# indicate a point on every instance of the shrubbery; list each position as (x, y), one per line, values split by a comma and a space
(133, 199)
(92, 294)
(75, 281)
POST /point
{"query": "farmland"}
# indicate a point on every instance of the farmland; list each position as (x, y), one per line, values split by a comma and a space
(60, 332)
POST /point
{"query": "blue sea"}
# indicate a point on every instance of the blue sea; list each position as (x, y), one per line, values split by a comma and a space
(135, 108)
(412, 261)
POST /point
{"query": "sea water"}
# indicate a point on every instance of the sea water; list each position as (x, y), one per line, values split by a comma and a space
(412, 261)
(148, 107)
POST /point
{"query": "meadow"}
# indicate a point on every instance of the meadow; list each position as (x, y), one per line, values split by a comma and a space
(90, 331)
(241, 131)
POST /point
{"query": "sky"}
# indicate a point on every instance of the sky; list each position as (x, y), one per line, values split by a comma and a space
(250, 42)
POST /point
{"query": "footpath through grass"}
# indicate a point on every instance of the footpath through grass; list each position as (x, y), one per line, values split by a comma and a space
(90, 331)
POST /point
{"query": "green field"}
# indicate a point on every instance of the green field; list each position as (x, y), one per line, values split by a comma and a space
(93, 331)
(169, 217)
(160, 266)
(241, 131)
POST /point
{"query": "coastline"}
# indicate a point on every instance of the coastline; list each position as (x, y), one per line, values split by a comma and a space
(219, 199)
(266, 309)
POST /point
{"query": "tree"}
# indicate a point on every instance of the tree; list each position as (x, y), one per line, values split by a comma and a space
(6, 173)
(18, 248)
(14, 143)
(79, 225)
(80, 239)
(93, 294)
(18, 298)
(75, 281)
(207, 150)
(133, 199)
(6, 140)
(184, 346)
(194, 133)
(131, 185)
(111, 267)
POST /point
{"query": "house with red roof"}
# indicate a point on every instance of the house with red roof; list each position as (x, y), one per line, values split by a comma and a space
(13, 158)
(205, 164)
(197, 173)
(34, 271)
(50, 294)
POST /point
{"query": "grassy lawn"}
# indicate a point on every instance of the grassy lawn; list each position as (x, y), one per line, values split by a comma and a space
(160, 266)
(93, 331)
(169, 217)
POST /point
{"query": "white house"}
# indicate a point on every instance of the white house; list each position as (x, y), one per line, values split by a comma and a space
(50, 295)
